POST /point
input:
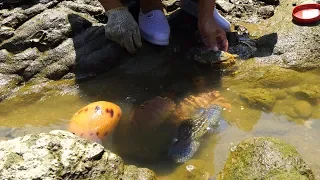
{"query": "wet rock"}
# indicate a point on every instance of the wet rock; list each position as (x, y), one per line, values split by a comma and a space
(14, 68)
(297, 46)
(84, 8)
(14, 20)
(55, 71)
(131, 172)
(6, 33)
(7, 83)
(276, 77)
(46, 30)
(55, 39)
(259, 98)
(280, 93)
(225, 6)
(303, 109)
(306, 91)
(208, 57)
(266, 11)
(69, 76)
(59, 154)
(27, 55)
(265, 158)
(33, 68)
(4, 56)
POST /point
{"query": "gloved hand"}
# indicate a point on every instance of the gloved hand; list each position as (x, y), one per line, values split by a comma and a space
(123, 29)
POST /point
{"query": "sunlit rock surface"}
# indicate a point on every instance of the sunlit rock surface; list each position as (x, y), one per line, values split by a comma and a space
(60, 154)
(265, 158)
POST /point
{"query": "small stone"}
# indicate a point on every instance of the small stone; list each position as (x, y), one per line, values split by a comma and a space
(69, 76)
(225, 6)
(266, 11)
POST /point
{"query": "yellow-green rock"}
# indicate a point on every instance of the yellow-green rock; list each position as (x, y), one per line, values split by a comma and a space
(302, 108)
(258, 98)
(264, 158)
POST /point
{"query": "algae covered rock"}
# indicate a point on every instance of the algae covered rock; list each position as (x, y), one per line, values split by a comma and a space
(266, 76)
(302, 108)
(265, 158)
(131, 172)
(61, 155)
(7, 83)
(306, 91)
(274, 77)
(259, 98)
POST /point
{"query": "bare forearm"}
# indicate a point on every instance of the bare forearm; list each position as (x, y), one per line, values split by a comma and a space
(110, 4)
(206, 8)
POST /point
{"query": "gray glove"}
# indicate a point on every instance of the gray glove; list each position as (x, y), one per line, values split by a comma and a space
(123, 29)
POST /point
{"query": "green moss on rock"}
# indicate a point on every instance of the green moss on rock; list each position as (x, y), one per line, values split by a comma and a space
(306, 91)
(258, 98)
(12, 159)
(264, 158)
(303, 109)
(132, 172)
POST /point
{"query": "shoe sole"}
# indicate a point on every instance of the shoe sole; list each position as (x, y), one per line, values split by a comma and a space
(153, 41)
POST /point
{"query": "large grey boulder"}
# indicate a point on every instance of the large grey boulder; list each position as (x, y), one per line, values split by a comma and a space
(54, 40)
(62, 155)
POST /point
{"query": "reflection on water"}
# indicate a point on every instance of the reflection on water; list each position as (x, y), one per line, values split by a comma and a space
(287, 119)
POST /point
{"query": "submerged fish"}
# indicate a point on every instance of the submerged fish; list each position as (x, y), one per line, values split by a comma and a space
(192, 130)
(96, 120)
(153, 112)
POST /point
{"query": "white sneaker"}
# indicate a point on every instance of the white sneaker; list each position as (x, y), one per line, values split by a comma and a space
(154, 27)
(191, 7)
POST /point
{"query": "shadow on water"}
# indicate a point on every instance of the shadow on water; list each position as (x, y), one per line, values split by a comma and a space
(154, 66)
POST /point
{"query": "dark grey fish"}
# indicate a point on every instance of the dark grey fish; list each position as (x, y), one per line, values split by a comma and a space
(192, 130)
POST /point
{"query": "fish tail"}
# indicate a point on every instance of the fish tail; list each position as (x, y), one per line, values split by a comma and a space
(183, 151)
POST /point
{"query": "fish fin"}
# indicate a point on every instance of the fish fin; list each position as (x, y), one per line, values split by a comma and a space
(183, 151)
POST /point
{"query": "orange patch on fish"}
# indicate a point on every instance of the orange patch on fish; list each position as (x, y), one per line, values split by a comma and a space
(96, 120)
(202, 100)
(153, 112)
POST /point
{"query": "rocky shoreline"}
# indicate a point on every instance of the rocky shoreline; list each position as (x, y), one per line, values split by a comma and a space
(60, 154)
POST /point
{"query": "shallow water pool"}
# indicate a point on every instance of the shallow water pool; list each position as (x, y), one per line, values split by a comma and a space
(129, 86)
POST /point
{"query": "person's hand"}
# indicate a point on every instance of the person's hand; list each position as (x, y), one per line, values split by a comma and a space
(123, 29)
(213, 35)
